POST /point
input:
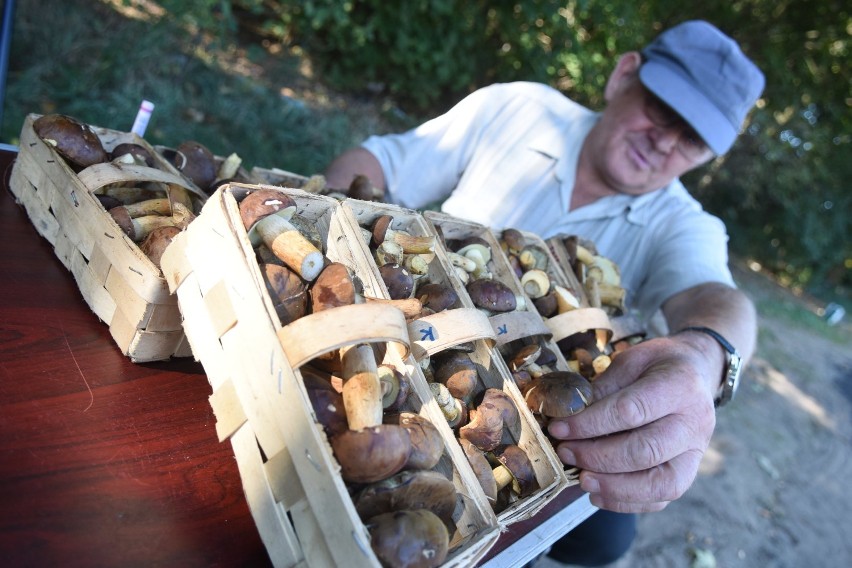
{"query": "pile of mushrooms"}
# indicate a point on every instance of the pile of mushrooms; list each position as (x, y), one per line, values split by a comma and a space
(150, 214)
(387, 452)
(488, 426)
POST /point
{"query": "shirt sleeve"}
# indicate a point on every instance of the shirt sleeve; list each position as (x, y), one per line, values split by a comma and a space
(690, 249)
(423, 165)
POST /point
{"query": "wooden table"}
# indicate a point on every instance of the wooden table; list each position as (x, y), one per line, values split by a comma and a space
(106, 463)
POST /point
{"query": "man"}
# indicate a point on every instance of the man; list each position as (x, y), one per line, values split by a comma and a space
(523, 155)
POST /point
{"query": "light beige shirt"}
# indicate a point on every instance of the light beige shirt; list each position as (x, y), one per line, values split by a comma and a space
(506, 156)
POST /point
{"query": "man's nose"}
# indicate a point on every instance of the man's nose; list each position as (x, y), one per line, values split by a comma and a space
(665, 138)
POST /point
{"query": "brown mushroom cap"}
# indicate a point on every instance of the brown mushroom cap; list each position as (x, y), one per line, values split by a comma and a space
(519, 465)
(485, 429)
(547, 305)
(75, 141)
(333, 287)
(156, 242)
(508, 411)
(427, 445)
(492, 295)
(411, 490)
(459, 373)
(514, 239)
(436, 297)
(481, 468)
(525, 356)
(199, 164)
(398, 280)
(380, 228)
(395, 387)
(361, 188)
(288, 292)
(258, 204)
(415, 539)
(139, 152)
(371, 454)
(558, 394)
(327, 404)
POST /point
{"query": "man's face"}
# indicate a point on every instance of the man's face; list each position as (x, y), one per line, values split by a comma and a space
(640, 144)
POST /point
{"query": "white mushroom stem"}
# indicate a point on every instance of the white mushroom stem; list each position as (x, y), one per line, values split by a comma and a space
(362, 390)
(411, 244)
(502, 476)
(461, 261)
(288, 244)
(450, 406)
(159, 206)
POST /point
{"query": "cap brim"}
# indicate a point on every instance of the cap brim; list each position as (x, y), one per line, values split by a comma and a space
(697, 110)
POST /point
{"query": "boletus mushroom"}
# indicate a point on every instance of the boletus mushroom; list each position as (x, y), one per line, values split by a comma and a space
(196, 162)
(398, 280)
(516, 470)
(427, 445)
(265, 214)
(436, 297)
(156, 242)
(414, 539)
(492, 295)
(371, 454)
(334, 287)
(76, 142)
(409, 490)
(411, 244)
(288, 292)
(558, 394)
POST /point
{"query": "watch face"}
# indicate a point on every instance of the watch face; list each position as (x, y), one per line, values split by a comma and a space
(734, 370)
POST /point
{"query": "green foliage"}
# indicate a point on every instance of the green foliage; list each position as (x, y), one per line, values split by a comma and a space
(780, 191)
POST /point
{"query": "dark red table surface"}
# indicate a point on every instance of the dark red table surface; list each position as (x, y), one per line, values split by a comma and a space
(104, 462)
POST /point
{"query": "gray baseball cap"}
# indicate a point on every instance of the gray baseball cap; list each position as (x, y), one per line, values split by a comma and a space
(703, 76)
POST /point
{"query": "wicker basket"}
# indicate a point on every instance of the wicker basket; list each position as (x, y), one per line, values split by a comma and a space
(118, 282)
(292, 481)
(467, 324)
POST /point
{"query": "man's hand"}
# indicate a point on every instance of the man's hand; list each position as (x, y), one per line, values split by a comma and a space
(640, 442)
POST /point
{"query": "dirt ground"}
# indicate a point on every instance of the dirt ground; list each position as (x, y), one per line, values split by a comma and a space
(773, 490)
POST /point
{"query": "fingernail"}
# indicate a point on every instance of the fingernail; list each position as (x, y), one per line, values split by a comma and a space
(558, 430)
(590, 484)
(566, 455)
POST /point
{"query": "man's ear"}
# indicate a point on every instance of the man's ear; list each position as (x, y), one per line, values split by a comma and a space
(624, 72)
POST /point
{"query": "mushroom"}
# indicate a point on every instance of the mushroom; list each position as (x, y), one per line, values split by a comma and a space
(415, 539)
(332, 288)
(427, 445)
(525, 359)
(508, 411)
(395, 387)
(492, 295)
(265, 214)
(398, 280)
(409, 490)
(547, 305)
(139, 153)
(156, 242)
(436, 297)
(415, 264)
(558, 394)
(485, 429)
(137, 228)
(288, 292)
(328, 406)
(196, 162)
(482, 469)
(565, 299)
(76, 142)
(536, 283)
(460, 376)
(371, 454)
(516, 470)
(389, 252)
(454, 410)
(361, 188)
(533, 258)
(362, 390)
(514, 240)
(409, 243)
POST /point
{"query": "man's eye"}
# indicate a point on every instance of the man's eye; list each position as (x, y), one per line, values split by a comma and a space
(692, 139)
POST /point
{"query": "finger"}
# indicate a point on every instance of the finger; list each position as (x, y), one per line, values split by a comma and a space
(620, 507)
(637, 450)
(663, 483)
(622, 410)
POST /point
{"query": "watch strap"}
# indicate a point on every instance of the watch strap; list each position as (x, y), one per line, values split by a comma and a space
(733, 366)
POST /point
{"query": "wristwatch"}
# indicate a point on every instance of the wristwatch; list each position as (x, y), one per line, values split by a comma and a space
(733, 368)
